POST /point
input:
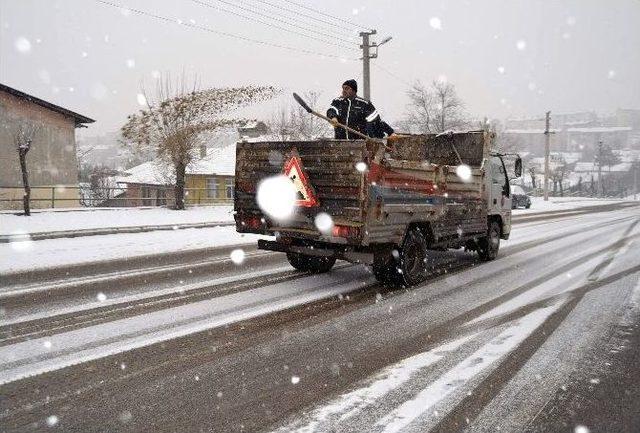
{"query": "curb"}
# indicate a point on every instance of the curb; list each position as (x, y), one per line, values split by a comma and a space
(38, 236)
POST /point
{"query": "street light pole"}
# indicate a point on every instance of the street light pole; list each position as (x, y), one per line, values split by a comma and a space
(366, 58)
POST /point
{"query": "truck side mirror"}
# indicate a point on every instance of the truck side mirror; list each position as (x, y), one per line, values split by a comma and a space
(518, 168)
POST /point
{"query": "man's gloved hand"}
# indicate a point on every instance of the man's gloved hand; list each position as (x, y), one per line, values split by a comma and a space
(393, 137)
(334, 121)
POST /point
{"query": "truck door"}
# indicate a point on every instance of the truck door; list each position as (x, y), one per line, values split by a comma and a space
(499, 193)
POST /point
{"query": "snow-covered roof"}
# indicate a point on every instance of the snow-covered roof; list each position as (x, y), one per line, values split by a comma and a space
(219, 161)
(597, 129)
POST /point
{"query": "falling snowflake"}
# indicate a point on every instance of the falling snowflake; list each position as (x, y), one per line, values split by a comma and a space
(521, 45)
(125, 417)
(463, 171)
(355, 11)
(611, 74)
(361, 167)
(155, 74)
(571, 21)
(237, 256)
(435, 23)
(44, 76)
(101, 297)
(501, 69)
(531, 86)
(47, 344)
(276, 196)
(566, 35)
(52, 420)
(23, 45)
(581, 429)
(131, 63)
(324, 223)
(295, 380)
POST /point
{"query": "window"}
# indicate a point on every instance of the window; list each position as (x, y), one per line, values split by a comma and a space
(229, 187)
(212, 187)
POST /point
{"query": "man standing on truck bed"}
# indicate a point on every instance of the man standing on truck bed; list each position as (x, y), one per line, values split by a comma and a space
(356, 113)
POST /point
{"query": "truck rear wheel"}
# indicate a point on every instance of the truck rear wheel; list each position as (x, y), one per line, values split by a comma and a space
(488, 246)
(408, 267)
(313, 264)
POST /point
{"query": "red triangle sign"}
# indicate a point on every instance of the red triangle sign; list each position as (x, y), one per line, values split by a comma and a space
(294, 171)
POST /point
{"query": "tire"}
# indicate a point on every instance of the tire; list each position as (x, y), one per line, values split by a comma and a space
(408, 267)
(488, 246)
(527, 206)
(313, 264)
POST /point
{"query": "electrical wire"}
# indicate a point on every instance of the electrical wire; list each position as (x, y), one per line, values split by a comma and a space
(326, 15)
(269, 24)
(218, 32)
(391, 74)
(290, 21)
(302, 14)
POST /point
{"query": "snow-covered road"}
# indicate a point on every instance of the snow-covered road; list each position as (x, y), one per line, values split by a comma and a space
(479, 345)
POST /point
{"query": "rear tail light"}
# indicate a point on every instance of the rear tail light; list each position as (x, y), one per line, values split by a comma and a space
(345, 231)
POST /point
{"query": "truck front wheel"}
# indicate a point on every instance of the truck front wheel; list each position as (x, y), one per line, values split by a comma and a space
(406, 268)
(313, 264)
(488, 246)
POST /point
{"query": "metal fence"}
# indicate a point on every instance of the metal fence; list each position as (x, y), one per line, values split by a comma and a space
(94, 196)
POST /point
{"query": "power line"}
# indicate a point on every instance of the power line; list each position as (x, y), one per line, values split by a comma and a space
(391, 74)
(291, 21)
(326, 15)
(210, 30)
(297, 12)
(269, 24)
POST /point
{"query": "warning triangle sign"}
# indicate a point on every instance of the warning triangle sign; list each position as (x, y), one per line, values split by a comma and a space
(294, 171)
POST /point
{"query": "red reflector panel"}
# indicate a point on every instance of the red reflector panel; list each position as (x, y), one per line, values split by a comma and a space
(345, 231)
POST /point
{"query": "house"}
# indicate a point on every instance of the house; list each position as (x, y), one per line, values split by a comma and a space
(51, 162)
(209, 180)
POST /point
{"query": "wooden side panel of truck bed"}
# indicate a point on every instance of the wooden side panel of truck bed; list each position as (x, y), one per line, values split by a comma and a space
(329, 164)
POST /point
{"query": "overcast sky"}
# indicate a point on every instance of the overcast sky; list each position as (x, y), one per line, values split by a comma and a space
(506, 58)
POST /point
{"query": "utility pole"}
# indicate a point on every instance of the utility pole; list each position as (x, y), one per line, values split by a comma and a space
(600, 168)
(547, 132)
(366, 57)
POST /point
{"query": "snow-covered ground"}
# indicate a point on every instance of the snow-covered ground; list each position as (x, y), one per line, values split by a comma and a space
(538, 205)
(28, 255)
(82, 219)
(31, 255)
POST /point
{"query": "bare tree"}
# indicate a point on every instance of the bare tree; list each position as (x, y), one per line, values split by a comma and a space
(434, 109)
(23, 137)
(294, 123)
(175, 120)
